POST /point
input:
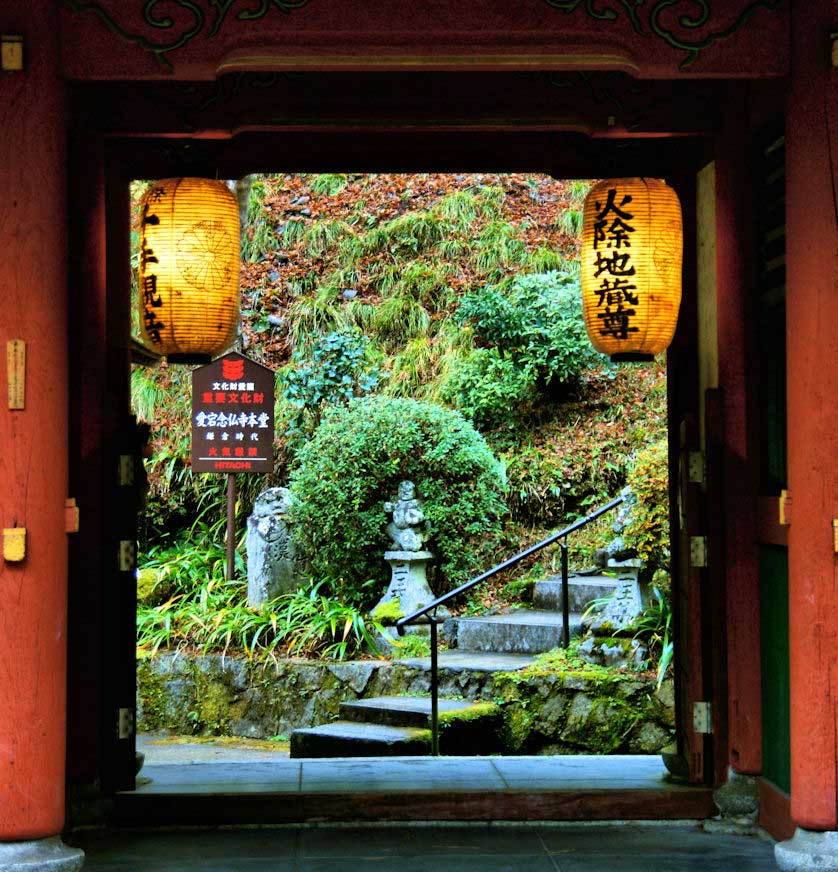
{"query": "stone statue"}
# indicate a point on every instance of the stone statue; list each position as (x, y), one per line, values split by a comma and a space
(271, 565)
(408, 527)
(408, 560)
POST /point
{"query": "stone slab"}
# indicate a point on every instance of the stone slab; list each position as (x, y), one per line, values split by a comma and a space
(547, 593)
(399, 711)
(351, 739)
(521, 632)
(472, 661)
(409, 774)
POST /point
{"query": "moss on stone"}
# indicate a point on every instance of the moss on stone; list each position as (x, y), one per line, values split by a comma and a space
(472, 713)
(516, 728)
(552, 703)
(388, 613)
(152, 696)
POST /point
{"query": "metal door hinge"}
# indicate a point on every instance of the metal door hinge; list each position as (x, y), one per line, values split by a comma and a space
(696, 467)
(127, 555)
(698, 552)
(702, 717)
(71, 515)
(125, 723)
(126, 470)
(785, 509)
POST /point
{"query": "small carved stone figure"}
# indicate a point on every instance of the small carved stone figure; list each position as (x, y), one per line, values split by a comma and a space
(408, 527)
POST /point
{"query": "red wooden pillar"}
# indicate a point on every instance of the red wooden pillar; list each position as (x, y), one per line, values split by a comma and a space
(741, 558)
(33, 440)
(812, 344)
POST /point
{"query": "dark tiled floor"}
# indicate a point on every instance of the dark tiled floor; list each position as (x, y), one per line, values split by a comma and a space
(606, 847)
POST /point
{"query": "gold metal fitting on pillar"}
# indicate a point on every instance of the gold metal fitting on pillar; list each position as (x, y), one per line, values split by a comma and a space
(11, 52)
(14, 544)
(833, 38)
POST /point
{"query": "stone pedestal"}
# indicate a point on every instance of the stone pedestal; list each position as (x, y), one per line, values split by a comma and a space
(807, 850)
(409, 585)
(40, 855)
(626, 604)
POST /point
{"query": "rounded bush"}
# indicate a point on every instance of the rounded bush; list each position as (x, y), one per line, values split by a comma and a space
(353, 464)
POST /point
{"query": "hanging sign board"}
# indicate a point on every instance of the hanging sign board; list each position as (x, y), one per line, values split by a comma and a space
(232, 416)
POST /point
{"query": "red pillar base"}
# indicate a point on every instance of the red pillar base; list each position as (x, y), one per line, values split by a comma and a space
(808, 850)
(40, 855)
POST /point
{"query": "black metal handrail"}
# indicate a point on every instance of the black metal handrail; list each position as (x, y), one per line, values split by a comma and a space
(429, 611)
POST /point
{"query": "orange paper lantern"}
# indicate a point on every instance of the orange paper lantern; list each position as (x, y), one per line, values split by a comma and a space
(189, 269)
(632, 243)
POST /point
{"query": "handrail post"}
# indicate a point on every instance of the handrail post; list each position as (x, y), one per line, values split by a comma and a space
(434, 688)
(565, 597)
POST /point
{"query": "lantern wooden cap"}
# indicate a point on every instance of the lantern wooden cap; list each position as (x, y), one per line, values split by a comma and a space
(632, 241)
(189, 268)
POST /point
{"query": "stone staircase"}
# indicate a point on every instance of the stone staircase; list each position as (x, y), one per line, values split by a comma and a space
(532, 631)
(400, 726)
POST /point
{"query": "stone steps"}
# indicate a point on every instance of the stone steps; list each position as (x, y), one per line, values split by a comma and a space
(399, 726)
(399, 711)
(582, 589)
(455, 661)
(353, 739)
(522, 631)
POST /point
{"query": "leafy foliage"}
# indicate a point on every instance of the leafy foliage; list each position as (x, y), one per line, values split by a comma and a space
(353, 464)
(338, 368)
(647, 531)
(533, 337)
(488, 385)
(258, 238)
(538, 320)
(215, 617)
(578, 454)
(654, 627)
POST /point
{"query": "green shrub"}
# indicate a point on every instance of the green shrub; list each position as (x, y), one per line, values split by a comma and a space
(647, 531)
(338, 368)
(496, 320)
(487, 386)
(538, 320)
(353, 464)
(533, 339)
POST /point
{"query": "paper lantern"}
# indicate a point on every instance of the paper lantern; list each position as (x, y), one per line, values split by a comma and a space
(189, 269)
(632, 241)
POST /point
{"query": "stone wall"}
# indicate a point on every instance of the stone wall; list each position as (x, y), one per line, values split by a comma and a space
(588, 711)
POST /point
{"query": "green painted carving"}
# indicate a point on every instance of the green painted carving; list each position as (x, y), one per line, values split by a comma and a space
(186, 19)
(697, 18)
(188, 25)
(602, 14)
(264, 6)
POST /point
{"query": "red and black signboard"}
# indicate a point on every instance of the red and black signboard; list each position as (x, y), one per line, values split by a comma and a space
(232, 416)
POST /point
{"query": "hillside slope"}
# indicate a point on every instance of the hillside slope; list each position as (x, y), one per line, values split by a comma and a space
(393, 257)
